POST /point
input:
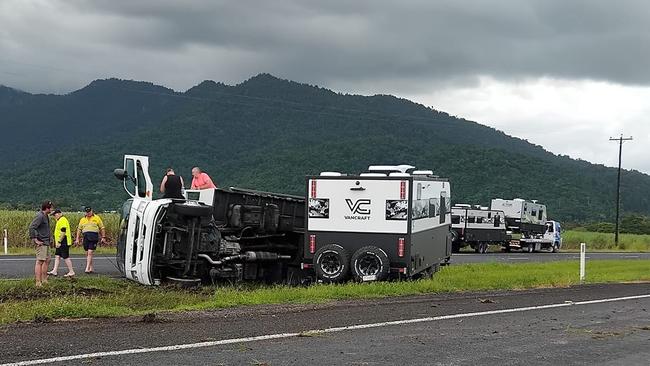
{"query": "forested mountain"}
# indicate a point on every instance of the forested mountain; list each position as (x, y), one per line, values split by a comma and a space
(267, 133)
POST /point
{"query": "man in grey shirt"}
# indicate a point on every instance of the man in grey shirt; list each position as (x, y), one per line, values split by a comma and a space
(41, 236)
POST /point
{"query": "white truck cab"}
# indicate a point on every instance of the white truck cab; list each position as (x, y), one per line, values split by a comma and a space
(133, 253)
(550, 240)
(213, 234)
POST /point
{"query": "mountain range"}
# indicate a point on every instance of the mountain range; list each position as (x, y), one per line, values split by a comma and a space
(268, 133)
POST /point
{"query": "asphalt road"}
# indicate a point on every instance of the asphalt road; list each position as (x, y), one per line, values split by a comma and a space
(574, 326)
(23, 266)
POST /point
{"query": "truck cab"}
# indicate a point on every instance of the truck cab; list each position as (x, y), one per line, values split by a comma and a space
(551, 239)
(212, 235)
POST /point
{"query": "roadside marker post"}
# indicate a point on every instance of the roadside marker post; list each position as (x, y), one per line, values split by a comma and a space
(583, 248)
(5, 241)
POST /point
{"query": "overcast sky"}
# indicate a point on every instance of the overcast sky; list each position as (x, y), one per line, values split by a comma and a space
(565, 74)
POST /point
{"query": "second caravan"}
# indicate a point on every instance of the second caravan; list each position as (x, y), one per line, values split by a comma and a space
(391, 221)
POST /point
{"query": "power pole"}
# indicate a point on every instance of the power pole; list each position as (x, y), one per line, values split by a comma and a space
(620, 140)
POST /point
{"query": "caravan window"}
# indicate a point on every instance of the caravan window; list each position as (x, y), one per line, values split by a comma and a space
(541, 214)
(479, 220)
(471, 219)
(420, 209)
(497, 220)
(455, 219)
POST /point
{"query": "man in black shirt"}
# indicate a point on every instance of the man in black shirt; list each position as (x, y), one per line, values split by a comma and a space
(172, 185)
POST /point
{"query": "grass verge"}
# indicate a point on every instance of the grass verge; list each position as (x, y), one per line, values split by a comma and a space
(105, 297)
(101, 250)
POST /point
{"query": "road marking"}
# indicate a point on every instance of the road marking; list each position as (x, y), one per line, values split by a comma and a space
(630, 256)
(315, 331)
(517, 258)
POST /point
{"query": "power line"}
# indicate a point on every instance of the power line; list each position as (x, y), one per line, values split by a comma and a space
(620, 140)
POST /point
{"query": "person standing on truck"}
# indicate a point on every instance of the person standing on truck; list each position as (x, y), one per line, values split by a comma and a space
(62, 243)
(201, 180)
(41, 236)
(90, 226)
(172, 185)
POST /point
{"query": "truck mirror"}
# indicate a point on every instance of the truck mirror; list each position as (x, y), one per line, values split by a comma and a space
(120, 174)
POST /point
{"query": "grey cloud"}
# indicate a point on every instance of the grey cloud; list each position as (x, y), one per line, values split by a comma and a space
(411, 44)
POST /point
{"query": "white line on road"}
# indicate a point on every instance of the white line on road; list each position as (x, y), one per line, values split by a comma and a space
(517, 258)
(315, 331)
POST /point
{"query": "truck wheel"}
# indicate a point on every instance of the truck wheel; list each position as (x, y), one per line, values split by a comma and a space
(331, 263)
(530, 248)
(192, 210)
(483, 248)
(370, 264)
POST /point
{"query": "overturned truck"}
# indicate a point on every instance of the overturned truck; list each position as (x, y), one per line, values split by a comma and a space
(232, 235)
(214, 235)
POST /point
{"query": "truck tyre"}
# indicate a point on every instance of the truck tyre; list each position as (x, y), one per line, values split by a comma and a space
(483, 248)
(332, 263)
(193, 210)
(370, 263)
(530, 248)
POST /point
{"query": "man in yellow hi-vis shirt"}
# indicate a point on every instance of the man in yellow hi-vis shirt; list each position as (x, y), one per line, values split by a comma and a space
(62, 241)
(91, 226)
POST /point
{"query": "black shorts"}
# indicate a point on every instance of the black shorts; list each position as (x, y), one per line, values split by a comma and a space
(90, 241)
(63, 251)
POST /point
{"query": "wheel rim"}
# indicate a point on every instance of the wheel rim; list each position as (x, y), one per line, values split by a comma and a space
(368, 265)
(330, 263)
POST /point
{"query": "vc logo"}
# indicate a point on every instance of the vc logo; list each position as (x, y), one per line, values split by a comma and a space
(360, 207)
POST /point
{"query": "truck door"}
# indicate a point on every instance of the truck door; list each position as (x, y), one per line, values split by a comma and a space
(138, 183)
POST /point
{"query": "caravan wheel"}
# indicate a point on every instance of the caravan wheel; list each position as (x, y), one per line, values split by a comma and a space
(370, 264)
(331, 263)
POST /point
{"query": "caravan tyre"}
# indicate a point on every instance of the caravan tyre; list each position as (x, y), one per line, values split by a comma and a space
(332, 263)
(370, 263)
(193, 210)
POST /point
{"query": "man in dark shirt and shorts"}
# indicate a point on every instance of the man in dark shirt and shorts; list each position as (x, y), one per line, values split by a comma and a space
(41, 236)
(172, 185)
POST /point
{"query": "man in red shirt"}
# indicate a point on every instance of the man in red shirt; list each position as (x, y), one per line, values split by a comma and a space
(201, 180)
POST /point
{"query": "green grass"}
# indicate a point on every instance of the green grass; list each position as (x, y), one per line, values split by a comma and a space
(104, 297)
(571, 240)
(17, 223)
